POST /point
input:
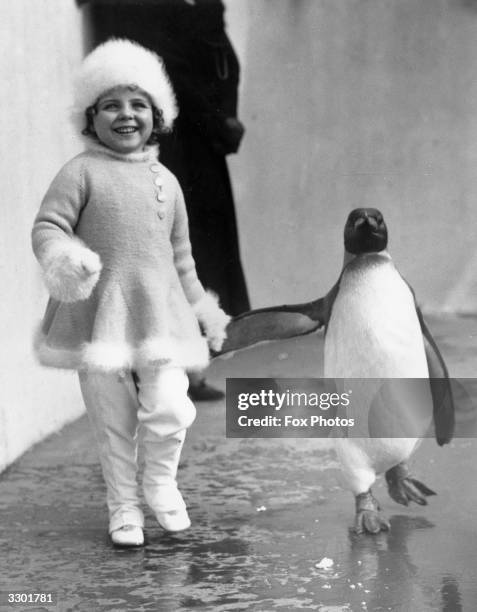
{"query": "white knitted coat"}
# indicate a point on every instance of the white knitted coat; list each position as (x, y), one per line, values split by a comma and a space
(112, 238)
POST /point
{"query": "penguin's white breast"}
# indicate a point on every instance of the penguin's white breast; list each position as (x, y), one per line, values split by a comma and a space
(374, 331)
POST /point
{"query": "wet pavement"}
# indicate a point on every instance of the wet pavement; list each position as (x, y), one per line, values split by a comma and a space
(265, 513)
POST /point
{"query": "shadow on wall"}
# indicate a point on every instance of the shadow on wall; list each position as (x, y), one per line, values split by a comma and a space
(85, 27)
(466, 4)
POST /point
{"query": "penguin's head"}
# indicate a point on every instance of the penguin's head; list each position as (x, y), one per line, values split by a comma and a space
(365, 231)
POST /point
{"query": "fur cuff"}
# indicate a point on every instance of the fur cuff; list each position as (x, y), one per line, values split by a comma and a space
(71, 270)
(213, 320)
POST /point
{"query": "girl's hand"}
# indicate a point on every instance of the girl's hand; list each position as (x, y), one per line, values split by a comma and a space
(71, 270)
(91, 265)
(212, 319)
(215, 330)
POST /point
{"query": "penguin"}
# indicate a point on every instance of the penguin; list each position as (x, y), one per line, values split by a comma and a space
(374, 329)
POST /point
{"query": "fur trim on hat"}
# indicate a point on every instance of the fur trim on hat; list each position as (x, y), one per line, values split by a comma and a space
(122, 62)
(213, 319)
(70, 270)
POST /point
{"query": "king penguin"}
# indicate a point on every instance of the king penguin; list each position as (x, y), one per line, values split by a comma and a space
(374, 331)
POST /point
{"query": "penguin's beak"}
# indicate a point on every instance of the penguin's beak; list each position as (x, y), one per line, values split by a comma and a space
(365, 220)
(373, 224)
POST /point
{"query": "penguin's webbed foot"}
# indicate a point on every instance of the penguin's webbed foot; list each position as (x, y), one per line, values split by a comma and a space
(368, 518)
(404, 489)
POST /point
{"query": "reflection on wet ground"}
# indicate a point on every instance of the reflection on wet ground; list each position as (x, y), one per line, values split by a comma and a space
(265, 514)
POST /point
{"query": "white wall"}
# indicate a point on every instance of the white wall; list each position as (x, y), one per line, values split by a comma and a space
(358, 103)
(40, 43)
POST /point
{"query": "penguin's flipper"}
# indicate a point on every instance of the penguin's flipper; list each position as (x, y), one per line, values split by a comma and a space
(277, 322)
(442, 397)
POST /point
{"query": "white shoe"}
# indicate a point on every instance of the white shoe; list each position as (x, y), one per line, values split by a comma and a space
(175, 520)
(128, 535)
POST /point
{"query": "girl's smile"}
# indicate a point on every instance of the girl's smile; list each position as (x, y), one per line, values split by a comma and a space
(124, 120)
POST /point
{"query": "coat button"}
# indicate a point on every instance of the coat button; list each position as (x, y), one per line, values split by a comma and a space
(158, 181)
(161, 197)
(155, 168)
(161, 214)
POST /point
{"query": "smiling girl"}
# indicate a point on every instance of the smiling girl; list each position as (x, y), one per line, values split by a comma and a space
(126, 307)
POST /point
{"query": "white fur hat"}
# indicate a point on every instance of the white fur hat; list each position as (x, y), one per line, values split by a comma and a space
(122, 62)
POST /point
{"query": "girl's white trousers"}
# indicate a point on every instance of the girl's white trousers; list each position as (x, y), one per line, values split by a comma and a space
(155, 400)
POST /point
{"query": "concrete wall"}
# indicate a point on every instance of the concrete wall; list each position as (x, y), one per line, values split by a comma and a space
(359, 103)
(40, 42)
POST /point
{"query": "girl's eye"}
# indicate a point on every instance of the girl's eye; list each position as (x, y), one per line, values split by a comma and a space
(109, 107)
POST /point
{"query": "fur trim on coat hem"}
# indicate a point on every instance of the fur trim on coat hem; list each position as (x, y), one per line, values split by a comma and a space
(107, 357)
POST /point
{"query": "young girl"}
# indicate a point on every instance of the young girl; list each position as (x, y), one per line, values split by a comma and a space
(112, 239)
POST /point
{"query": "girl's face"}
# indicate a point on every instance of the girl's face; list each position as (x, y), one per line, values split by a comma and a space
(123, 120)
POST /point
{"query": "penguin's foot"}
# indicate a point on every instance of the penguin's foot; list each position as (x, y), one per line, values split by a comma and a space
(368, 518)
(404, 489)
